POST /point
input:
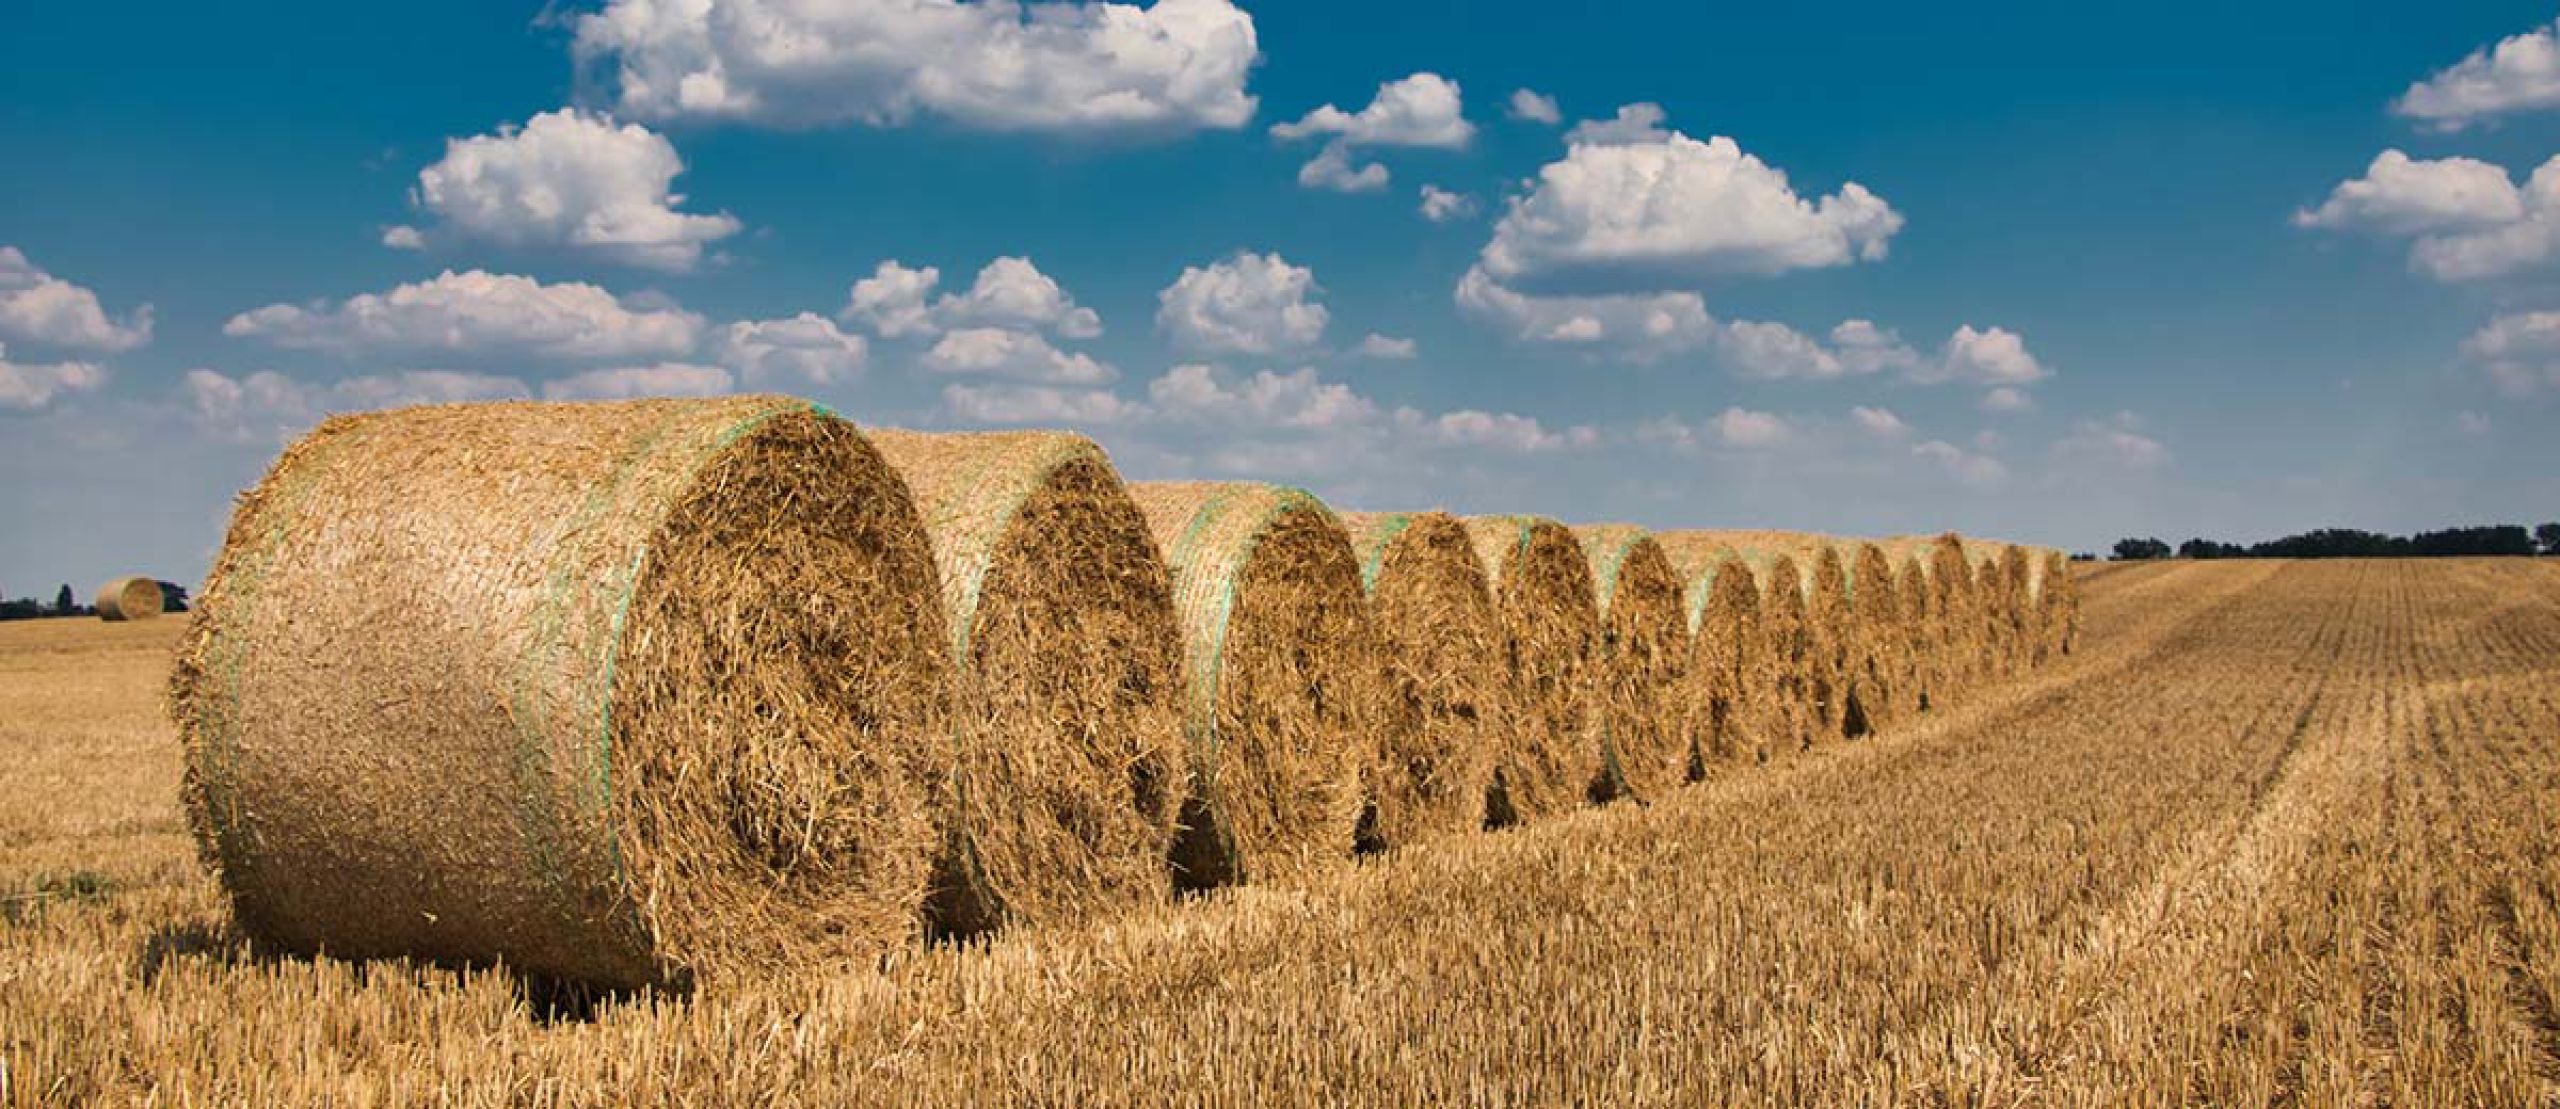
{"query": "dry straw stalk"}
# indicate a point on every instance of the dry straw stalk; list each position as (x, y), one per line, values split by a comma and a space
(1542, 586)
(1644, 653)
(1728, 676)
(1281, 674)
(613, 693)
(1445, 707)
(130, 598)
(1800, 675)
(1066, 759)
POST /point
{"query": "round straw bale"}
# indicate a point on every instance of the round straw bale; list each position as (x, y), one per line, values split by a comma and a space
(1444, 709)
(2017, 570)
(1881, 681)
(631, 693)
(1800, 687)
(1917, 587)
(1644, 648)
(1991, 609)
(2058, 601)
(1957, 642)
(1727, 674)
(1542, 586)
(1831, 637)
(1067, 761)
(1281, 674)
(128, 599)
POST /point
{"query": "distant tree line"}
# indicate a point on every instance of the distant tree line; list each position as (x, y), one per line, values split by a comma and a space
(2491, 540)
(173, 598)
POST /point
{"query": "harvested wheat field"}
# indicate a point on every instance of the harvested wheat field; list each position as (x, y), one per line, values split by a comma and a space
(2272, 833)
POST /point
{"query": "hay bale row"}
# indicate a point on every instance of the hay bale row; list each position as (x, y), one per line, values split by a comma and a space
(1444, 711)
(130, 598)
(1067, 759)
(1282, 677)
(616, 694)
(646, 691)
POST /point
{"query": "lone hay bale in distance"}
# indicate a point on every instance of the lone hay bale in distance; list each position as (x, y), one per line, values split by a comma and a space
(1068, 768)
(1280, 676)
(631, 694)
(1728, 672)
(1445, 706)
(132, 598)
(1644, 649)
(1553, 760)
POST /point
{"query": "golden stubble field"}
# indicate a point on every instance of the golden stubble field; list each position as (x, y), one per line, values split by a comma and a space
(2277, 833)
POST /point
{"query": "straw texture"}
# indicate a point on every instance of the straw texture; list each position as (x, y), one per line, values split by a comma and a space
(632, 692)
(133, 598)
(1728, 677)
(1445, 706)
(1644, 651)
(1553, 760)
(1800, 678)
(1067, 763)
(1281, 677)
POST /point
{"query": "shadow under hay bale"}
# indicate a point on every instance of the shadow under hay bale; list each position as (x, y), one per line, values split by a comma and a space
(634, 694)
(1553, 760)
(132, 598)
(1644, 650)
(1280, 672)
(1067, 762)
(1727, 676)
(1444, 708)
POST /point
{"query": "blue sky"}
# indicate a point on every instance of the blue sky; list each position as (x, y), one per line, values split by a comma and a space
(2021, 269)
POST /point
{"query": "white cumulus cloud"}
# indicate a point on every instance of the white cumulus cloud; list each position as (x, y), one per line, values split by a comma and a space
(1424, 109)
(2520, 73)
(1374, 345)
(805, 348)
(1074, 68)
(567, 179)
(1439, 205)
(1640, 122)
(1017, 355)
(476, 311)
(1969, 467)
(1879, 422)
(2466, 219)
(2116, 442)
(2519, 351)
(898, 302)
(267, 405)
(1749, 430)
(38, 307)
(666, 379)
(1246, 303)
(1528, 104)
(27, 386)
(1331, 169)
(1297, 399)
(1675, 213)
(1037, 404)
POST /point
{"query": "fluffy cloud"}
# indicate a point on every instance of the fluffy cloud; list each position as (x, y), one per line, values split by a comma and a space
(1245, 304)
(1993, 356)
(1503, 432)
(268, 405)
(1674, 213)
(666, 379)
(27, 386)
(1018, 355)
(1749, 430)
(1298, 399)
(1075, 68)
(807, 347)
(1037, 404)
(2007, 399)
(1439, 205)
(2467, 219)
(897, 302)
(477, 311)
(1772, 351)
(1642, 326)
(1331, 170)
(1879, 422)
(2117, 443)
(1970, 467)
(2520, 352)
(2520, 73)
(1640, 122)
(567, 179)
(40, 308)
(1375, 345)
(1421, 110)
(1529, 105)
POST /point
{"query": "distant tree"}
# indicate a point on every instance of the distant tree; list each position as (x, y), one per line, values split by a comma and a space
(2084, 556)
(2136, 550)
(2549, 536)
(173, 597)
(2207, 548)
(64, 604)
